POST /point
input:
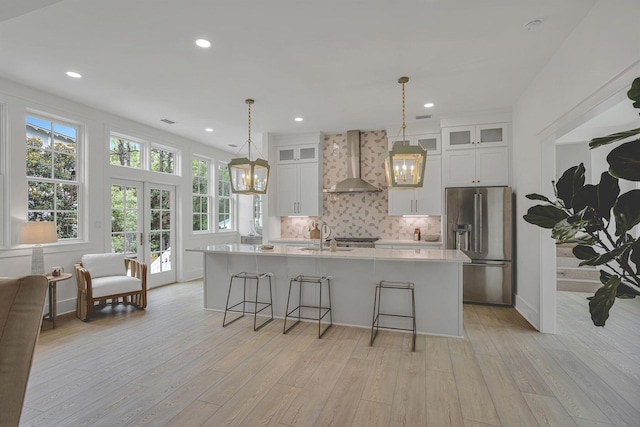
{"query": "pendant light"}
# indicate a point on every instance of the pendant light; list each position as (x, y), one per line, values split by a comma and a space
(247, 176)
(405, 163)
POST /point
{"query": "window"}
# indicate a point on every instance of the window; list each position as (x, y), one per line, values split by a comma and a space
(200, 191)
(136, 153)
(51, 160)
(257, 213)
(224, 198)
(162, 160)
(124, 152)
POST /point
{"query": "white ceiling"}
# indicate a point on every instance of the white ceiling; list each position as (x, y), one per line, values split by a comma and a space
(333, 62)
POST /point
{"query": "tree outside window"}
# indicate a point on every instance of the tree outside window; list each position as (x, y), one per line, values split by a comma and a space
(162, 160)
(123, 152)
(51, 165)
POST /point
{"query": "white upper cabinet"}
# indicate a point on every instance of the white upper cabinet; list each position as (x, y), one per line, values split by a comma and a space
(298, 175)
(297, 153)
(472, 136)
(298, 190)
(473, 168)
(420, 201)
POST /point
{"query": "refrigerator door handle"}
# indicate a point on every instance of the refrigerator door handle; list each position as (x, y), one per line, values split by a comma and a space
(475, 222)
(480, 220)
(475, 264)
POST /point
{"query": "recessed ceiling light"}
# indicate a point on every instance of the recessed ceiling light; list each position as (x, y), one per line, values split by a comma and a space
(429, 105)
(203, 43)
(74, 74)
(298, 119)
(532, 25)
(209, 129)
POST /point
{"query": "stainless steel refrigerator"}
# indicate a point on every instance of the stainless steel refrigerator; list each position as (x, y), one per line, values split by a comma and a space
(479, 223)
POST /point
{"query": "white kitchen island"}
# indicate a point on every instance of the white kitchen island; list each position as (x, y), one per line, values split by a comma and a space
(437, 275)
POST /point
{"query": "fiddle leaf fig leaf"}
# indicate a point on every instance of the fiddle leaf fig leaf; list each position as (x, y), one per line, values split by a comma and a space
(569, 183)
(608, 191)
(634, 92)
(626, 211)
(585, 196)
(564, 230)
(584, 252)
(544, 216)
(624, 161)
(534, 196)
(603, 300)
(635, 254)
(606, 257)
(614, 137)
(605, 277)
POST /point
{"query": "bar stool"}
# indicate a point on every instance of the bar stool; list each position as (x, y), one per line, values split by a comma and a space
(249, 276)
(375, 324)
(322, 311)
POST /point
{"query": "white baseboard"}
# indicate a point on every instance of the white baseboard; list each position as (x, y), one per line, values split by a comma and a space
(530, 314)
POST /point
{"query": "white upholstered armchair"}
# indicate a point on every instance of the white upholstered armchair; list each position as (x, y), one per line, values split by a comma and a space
(103, 277)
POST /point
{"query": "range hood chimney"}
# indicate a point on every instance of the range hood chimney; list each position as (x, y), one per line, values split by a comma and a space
(353, 183)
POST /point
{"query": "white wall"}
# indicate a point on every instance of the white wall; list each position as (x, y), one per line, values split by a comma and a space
(15, 260)
(599, 56)
(569, 155)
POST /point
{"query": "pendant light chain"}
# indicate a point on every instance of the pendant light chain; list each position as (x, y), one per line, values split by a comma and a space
(249, 102)
(403, 80)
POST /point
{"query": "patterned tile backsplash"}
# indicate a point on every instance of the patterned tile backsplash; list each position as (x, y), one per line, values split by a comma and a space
(359, 214)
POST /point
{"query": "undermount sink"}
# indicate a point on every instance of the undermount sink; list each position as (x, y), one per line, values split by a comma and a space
(316, 249)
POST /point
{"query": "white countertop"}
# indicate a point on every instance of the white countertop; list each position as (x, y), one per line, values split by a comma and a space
(419, 243)
(307, 241)
(417, 254)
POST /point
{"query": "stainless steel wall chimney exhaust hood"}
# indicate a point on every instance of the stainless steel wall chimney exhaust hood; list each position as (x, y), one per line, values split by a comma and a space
(353, 183)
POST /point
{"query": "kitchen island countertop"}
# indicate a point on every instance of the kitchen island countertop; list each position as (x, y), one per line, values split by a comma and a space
(436, 273)
(418, 254)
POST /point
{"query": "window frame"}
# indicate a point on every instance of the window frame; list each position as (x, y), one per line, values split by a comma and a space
(232, 223)
(76, 180)
(146, 148)
(176, 158)
(209, 196)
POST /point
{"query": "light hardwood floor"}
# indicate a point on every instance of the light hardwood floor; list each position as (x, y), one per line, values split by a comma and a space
(175, 365)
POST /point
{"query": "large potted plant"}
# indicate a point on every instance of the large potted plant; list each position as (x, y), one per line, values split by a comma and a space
(599, 220)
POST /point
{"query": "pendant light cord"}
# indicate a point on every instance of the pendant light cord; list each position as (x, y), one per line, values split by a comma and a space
(249, 102)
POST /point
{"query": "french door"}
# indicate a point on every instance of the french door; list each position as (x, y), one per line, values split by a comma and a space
(143, 227)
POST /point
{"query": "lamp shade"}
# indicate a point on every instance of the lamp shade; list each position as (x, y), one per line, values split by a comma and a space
(38, 232)
(249, 177)
(404, 165)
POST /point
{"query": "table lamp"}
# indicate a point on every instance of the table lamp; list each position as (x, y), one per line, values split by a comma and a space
(36, 233)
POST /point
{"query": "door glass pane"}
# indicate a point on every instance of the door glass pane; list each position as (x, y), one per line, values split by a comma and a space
(124, 220)
(491, 135)
(462, 137)
(160, 227)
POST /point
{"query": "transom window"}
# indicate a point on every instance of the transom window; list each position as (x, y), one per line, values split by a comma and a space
(162, 160)
(124, 152)
(51, 169)
(135, 153)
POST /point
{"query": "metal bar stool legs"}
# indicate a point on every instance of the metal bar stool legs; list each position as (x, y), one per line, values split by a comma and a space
(322, 310)
(266, 304)
(375, 323)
